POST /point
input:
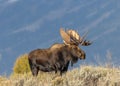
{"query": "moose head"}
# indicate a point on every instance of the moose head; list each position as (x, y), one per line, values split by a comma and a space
(72, 38)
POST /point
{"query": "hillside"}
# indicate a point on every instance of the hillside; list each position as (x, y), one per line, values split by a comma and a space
(31, 24)
(83, 76)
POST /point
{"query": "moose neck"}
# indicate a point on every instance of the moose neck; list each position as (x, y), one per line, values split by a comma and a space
(69, 52)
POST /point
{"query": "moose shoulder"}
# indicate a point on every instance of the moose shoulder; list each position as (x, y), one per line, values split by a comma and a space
(56, 58)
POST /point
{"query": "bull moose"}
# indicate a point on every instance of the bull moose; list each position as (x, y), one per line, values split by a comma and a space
(58, 56)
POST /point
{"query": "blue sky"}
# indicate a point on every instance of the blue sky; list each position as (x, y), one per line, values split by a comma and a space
(29, 24)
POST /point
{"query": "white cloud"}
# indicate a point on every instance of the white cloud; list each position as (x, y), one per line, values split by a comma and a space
(92, 13)
(7, 2)
(12, 1)
(31, 27)
(99, 20)
(78, 7)
(52, 15)
(105, 33)
(104, 5)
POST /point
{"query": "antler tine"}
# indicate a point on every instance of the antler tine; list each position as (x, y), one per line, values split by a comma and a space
(83, 41)
(86, 43)
(82, 38)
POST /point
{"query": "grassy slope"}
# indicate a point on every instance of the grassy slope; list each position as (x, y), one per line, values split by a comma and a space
(84, 76)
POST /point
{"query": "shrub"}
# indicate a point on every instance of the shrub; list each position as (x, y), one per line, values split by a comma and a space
(21, 65)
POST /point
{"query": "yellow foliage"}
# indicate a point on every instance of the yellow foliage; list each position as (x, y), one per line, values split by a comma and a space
(21, 65)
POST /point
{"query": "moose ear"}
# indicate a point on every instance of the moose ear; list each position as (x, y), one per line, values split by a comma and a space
(65, 36)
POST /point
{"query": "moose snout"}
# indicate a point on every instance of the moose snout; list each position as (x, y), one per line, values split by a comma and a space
(83, 56)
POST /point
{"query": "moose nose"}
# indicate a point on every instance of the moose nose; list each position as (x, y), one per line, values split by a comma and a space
(83, 56)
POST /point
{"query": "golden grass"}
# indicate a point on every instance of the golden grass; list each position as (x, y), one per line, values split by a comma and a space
(83, 76)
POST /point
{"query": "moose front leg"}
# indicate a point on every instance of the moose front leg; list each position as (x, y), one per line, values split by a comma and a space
(65, 68)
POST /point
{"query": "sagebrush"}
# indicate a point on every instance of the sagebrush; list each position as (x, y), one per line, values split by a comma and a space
(83, 76)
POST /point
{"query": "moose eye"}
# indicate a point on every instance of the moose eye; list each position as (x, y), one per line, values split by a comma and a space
(75, 48)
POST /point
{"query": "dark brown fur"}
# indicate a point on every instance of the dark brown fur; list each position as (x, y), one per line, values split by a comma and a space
(56, 58)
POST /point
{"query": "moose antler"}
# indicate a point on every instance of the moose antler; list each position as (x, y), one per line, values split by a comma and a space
(71, 37)
(83, 41)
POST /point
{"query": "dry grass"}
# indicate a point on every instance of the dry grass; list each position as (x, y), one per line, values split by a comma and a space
(83, 76)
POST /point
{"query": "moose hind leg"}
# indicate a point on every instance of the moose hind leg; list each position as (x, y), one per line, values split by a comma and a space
(34, 70)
